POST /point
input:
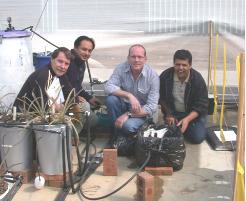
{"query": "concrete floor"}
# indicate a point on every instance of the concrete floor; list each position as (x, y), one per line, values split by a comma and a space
(206, 175)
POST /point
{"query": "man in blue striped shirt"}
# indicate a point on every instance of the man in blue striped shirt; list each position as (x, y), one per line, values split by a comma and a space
(133, 91)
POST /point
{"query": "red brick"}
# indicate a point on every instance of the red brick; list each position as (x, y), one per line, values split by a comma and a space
(53, 180)
(145, 187)
(56, 184)
(159, 171)
(110, 163)
(52, 177)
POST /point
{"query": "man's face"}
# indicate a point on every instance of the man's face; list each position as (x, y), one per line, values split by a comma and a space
(182, 68)
(136, 58)
(60, 64)
(84, 49)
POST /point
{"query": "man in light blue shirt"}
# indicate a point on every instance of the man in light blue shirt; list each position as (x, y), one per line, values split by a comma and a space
(133, 91)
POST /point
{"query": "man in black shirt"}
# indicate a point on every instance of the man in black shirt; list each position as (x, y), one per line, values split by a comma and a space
(46, 79)
(83, 47)
(184, 97)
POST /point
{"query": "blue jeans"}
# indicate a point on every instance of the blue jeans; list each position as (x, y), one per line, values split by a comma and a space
(196, 131)
(116, 106)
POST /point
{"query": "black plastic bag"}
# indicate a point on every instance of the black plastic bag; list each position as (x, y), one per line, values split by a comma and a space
(168, 151)
(124, 145)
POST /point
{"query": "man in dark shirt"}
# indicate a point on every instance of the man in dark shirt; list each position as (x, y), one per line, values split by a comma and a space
(184, 97)
(43, 78)
(83, 47)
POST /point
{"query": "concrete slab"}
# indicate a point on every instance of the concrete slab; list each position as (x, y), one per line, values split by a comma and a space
(206, 175)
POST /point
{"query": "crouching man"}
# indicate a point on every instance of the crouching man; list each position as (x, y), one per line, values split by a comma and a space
(133, 91)
(184, 97)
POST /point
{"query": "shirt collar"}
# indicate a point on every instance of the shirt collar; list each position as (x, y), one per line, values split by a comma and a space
(143, 72)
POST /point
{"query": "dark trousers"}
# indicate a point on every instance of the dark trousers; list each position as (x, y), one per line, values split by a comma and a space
(196, 131)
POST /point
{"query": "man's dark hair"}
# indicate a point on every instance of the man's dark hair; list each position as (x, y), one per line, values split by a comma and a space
(81, 38)
(137, 45)
(183, 54)
(66, 51)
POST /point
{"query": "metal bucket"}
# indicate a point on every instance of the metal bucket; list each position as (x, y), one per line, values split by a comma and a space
(16, 145)
(49, 147)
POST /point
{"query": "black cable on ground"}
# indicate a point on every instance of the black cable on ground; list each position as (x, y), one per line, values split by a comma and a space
(123, 185)
(69, 159)
(78, 156)
(64, 161)
(92, 144)
(89, 73)
(87, 142)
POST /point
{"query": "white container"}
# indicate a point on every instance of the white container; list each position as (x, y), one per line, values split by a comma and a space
(16, 62)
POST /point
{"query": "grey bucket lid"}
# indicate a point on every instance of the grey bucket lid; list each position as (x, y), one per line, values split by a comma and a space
(14, 34)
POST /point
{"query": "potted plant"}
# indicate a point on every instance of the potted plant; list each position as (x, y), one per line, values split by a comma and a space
(52, 129)
(16, 141)
(16, 144)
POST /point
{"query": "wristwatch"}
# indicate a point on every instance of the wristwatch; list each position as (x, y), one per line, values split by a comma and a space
(129, 114)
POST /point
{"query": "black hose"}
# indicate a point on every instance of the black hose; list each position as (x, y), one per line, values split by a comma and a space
(87, 142)
(89, 73)
(78, 155)
(69, 159)
(64, 161)
(43, 38)
(123, 185)
(31, 29)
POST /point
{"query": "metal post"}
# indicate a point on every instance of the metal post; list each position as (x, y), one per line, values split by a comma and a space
(210, 30)
(240, 133)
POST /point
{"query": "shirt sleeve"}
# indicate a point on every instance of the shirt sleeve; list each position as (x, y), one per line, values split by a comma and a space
(114, 82)
(200, 100)
(153, 97)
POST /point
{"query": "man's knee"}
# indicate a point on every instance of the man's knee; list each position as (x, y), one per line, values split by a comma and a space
(132, 126)
(129, 128)
(196, 138)
(196, 134)
(111, 100)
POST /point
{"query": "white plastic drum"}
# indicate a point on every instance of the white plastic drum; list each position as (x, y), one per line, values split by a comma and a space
(16, 63)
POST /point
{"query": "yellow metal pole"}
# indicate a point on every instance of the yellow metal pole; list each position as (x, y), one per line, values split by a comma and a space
(210, 28)
(238, 69)
(239, 183)
(215, 76)
(223, 98)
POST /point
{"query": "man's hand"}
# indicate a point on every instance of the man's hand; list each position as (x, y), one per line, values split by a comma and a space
(81, 99)
(136, 107)
(170, 120)
(121, 120)
(94, 101)
(184, 123)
